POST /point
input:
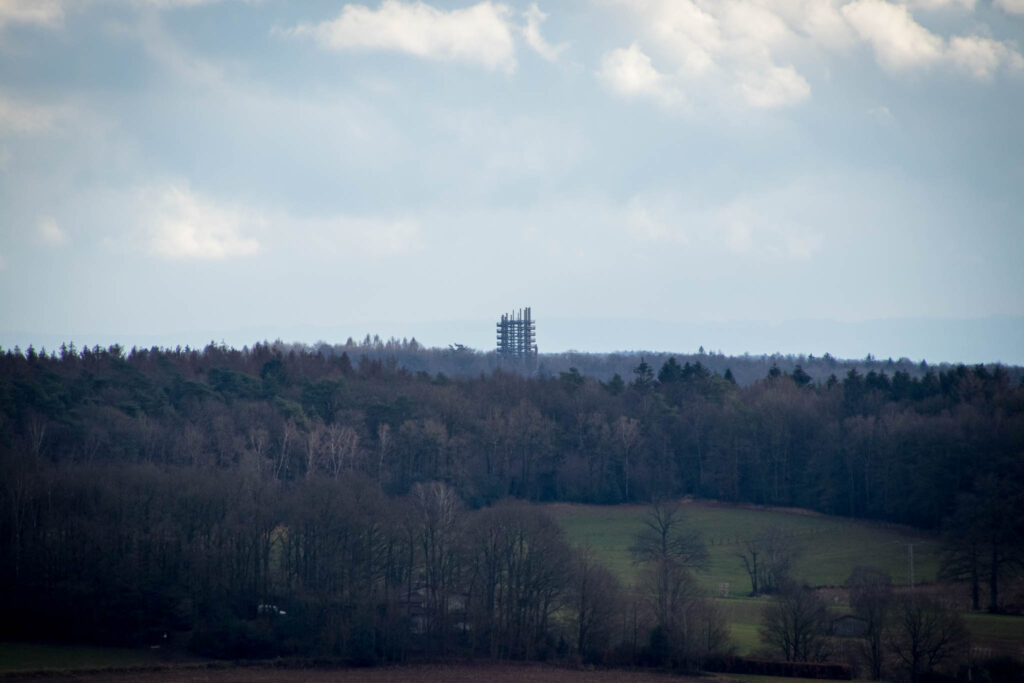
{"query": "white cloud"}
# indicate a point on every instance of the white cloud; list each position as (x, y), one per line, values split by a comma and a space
(753, 27)
(756, 52)
(507, 147)
(798, 244)
(738, 236)
(899, 42)
(47, 13)
(480, 34)
(654, 220)
(734, 226)
(50, 13)
(374, 237)
(20, 117)
(1010, 6)
(685, 32)
(820, 21)
(629, 72)
(759, 226)
(747, 228)
(185, 226)
(534, 18)
(942, 4)
(774, 86)
(980, 57)
(882, 115)
(50, 233)
(172, 4)
(721, 49)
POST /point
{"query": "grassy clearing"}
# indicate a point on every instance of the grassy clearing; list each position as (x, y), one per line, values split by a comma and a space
(36, 656)
(830, 546)
(745, 637)
(991, 634)
(997, 633)
(744, 617)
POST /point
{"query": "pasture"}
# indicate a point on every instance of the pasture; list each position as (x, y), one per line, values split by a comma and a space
(830, 547)
(39, 656)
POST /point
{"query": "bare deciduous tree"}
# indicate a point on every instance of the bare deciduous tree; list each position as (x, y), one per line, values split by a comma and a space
(768, 558)
(871, 600)
(795, 625)
(663, 537)
(596, 601)
(341, 443)
(437, 516)
(925, 635)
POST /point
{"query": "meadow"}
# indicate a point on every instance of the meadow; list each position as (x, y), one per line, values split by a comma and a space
(32, 656)
(829, 549)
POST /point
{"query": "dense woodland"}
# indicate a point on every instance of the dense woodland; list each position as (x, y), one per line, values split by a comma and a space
(890, 447)
(380, 505)
(457, 360)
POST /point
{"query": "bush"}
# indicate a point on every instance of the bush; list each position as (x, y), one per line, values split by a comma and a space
(235, 639)
(996, 670)
(741, 665)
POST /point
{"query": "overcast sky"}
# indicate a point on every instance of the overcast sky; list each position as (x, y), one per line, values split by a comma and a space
(181, 170)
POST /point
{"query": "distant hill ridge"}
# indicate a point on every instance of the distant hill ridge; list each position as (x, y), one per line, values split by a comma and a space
(459, 360)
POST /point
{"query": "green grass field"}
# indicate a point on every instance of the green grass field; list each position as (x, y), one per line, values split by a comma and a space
(37, 656)
(830, 546)
(997, 634)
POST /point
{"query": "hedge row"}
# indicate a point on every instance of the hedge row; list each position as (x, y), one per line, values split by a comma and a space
(741, 665)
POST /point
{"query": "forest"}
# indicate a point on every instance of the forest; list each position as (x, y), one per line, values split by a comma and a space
(384, 509)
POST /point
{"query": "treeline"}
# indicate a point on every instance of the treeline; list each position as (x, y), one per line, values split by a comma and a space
(457, 360)
(252, 567)
(891, 447)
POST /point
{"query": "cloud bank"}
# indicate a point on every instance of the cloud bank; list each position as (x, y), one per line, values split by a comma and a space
(755, 52)
(185, 226)
(481, 35)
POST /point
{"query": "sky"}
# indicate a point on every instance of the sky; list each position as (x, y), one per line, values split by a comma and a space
(793, 176)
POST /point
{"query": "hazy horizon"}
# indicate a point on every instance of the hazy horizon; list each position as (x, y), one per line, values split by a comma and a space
(986, 340)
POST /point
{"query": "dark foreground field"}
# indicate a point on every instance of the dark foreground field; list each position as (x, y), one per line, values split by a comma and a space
(435, 673)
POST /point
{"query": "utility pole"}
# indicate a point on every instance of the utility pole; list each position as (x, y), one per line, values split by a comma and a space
(910, 562)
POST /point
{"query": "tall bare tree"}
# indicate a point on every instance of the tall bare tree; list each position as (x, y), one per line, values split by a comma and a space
(925, 635)
(871, 598)
(768, 558)
(795, 625)
(437, 509)
(664, 536)
(596, 602)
